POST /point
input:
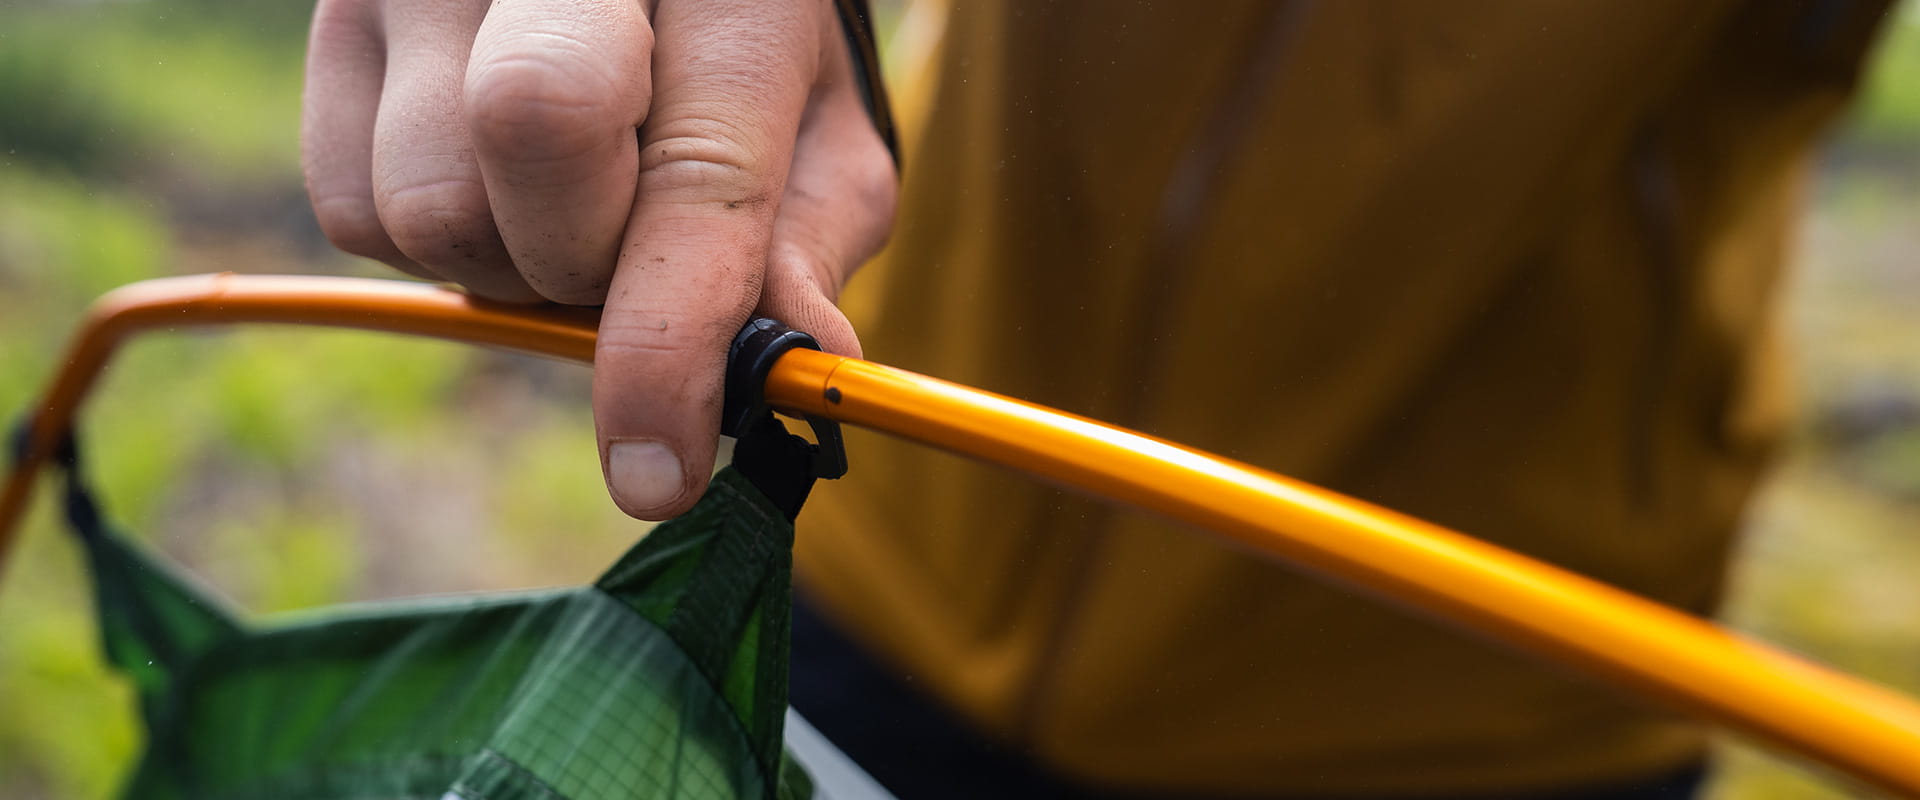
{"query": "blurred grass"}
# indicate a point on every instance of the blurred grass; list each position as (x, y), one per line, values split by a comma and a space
(289, 469)
(104, 88)
(1887, 117)
(293, 469)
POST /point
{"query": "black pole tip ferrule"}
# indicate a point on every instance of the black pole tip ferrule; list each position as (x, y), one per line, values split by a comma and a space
(20, 440)
(83, 512)
(65, 453)
(750, 360)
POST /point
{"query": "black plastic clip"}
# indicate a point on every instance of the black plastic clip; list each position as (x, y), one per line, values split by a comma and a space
(83, 512)
(20, 441)
(761, 343)
(65, 454)
(783, 466)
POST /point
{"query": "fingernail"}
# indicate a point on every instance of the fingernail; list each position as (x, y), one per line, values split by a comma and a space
(646, 474)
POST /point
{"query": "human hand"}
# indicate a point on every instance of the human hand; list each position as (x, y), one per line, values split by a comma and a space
(494, 144)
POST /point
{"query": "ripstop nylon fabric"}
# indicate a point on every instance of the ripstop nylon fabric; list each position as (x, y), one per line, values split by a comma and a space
(666, 678)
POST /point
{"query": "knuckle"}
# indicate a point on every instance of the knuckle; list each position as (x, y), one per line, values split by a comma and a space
(353, 225)
(571, 290)
(574, 277)
(549, 108)
(439, 223)
(648, 336)
(677, 335)
(701, 163)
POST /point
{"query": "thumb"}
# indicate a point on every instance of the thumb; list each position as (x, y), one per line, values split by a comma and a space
(730, 82)
(659, 372)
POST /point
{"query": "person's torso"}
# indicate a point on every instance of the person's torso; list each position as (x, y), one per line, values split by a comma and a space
(1508, 269)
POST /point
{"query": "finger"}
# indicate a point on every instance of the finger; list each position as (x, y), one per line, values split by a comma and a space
(835, 214)
(554, 92)
(730, 80)
(426, 185)
(345, 67)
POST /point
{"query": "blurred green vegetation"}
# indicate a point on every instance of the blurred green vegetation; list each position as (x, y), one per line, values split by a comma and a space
(1887, 117)
(287, 468)
(106, 89)
(293, 469)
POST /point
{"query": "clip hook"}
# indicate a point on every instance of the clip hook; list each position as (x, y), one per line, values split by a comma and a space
(749, 360)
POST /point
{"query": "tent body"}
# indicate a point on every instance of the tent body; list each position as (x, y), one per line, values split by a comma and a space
(665, 678)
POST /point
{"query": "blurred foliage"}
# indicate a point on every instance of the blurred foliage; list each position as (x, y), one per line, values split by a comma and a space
(288, 469)
(291, 469)
(168, 85)
(1886, 120)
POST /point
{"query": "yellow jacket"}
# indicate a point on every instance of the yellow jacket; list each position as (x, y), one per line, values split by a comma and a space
(1509, 268)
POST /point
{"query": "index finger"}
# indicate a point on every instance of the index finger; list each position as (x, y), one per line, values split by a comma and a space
(731, 79)
(554, 91)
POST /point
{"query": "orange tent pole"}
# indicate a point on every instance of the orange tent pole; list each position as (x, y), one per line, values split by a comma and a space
(1651, 649)
(1864, 730)
(225, 299)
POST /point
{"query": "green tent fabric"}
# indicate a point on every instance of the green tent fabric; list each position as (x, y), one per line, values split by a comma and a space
(665, 678)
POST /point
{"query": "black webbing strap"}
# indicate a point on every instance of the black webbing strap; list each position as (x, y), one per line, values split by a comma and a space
(781, 465)
(777, 463)
(856, 22)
